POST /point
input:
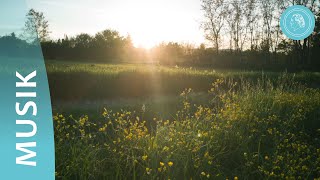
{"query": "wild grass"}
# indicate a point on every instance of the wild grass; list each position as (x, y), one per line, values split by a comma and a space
(83, 81)
(263, 129)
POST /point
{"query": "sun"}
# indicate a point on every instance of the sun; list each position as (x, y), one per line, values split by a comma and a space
(150, 23)
(145, 24)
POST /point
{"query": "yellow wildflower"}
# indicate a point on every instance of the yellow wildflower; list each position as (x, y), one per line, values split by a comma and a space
(166, 148)
(148, 170)
(145, 157)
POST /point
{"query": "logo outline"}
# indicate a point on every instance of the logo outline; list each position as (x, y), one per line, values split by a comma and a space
(303, 12)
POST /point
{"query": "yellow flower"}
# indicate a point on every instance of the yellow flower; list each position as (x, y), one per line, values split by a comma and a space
(161, 164)
(203, 173)
(235, 178)
(148, 170)
(266, 158)
(206, 154)
(166, 148)
(159, 169)
(145, 157)
(170, 163)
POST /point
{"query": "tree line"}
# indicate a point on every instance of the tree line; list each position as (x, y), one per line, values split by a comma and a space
(250, 26)
(255, 25)
(107, 45)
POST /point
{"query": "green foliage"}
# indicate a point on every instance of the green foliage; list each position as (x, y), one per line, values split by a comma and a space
(248, 130)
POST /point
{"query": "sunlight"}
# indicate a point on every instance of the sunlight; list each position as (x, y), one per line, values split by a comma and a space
(151, 22)
(148, 23)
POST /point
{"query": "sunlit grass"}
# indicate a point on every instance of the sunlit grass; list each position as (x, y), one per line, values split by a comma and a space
(117, 69)
(244, 130)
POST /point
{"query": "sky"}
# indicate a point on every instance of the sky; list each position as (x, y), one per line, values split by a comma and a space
(148, 22)
(12, 16)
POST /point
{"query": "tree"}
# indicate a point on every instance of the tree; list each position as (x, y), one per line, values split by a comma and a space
(250, 15)
(268, 8)
(230, 27)
(316, 41)
(83, 40)
(237, 15)
(214, 18)
(36, 27)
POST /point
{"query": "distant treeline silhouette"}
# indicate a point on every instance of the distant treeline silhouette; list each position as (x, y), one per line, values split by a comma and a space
(11, 45)
(105, 46)
(109, 46)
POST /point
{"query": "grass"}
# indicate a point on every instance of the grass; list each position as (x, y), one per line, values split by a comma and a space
(245, 125)
(82, 81)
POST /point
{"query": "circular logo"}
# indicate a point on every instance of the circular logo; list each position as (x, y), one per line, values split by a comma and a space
(297, 22)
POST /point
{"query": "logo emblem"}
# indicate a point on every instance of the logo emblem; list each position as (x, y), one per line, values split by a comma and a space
(297, 22)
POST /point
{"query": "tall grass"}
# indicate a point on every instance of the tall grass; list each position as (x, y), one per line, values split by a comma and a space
(81, 81)
(265, 129)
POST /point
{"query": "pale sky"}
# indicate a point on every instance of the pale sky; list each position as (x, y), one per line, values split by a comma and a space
(12, 16)
(148, 22)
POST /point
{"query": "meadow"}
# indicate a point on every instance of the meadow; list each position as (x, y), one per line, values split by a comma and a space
(144, 121)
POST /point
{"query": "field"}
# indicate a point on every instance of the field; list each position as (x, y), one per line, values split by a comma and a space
(91, 87)
(139, 121)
